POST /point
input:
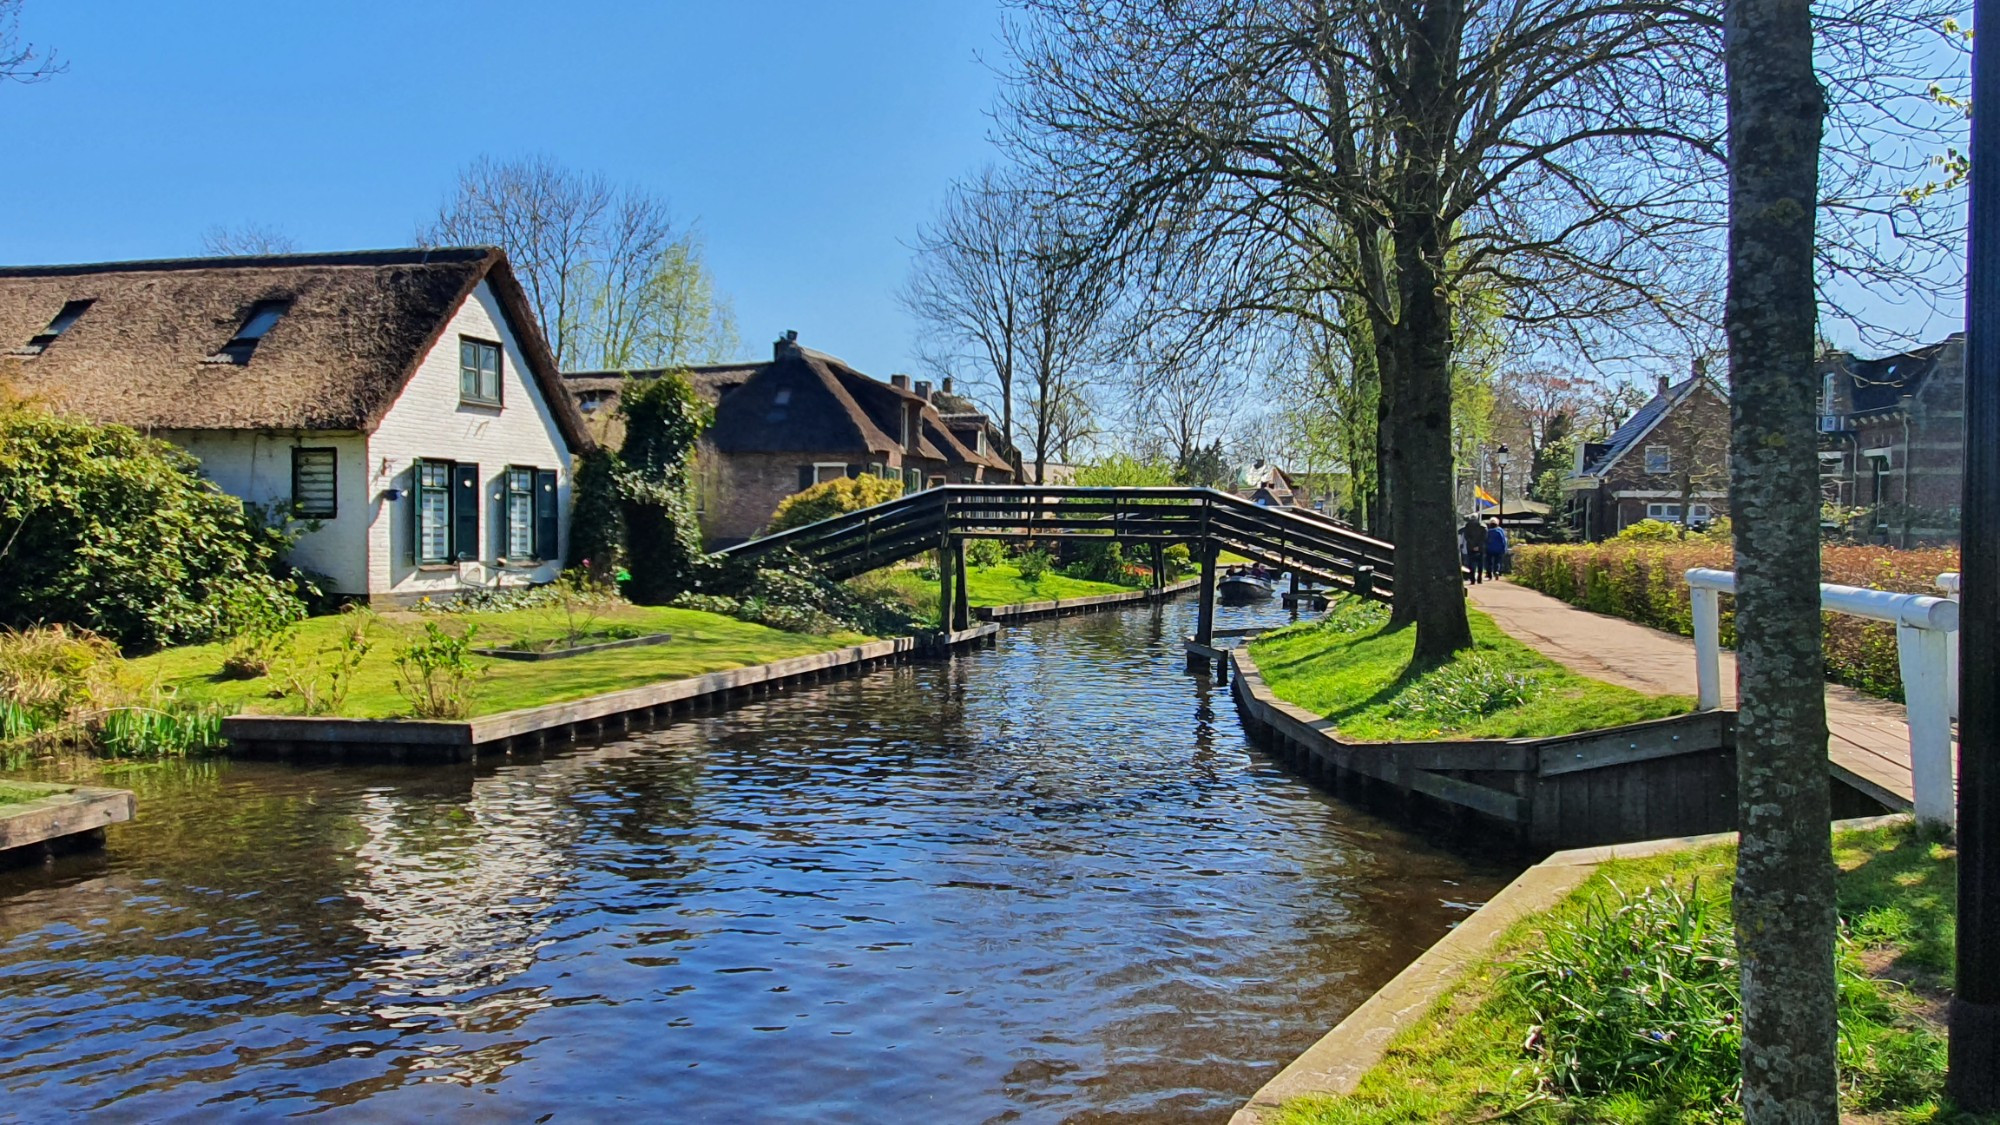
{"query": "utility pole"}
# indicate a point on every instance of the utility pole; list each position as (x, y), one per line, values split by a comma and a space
(1974, 1078)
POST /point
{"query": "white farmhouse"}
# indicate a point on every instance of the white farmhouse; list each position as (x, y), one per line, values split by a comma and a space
(401, 403)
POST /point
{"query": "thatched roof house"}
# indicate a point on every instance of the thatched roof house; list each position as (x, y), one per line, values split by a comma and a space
(402, 401)
(801, 418)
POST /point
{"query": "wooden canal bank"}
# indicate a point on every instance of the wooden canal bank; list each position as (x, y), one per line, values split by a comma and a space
(1063, 607)
(63, 818)
(1667, 777)
(318, 739)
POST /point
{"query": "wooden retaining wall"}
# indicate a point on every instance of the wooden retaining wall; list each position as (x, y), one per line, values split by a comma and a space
(1063, 607)
(322, 739)
(1662, 778)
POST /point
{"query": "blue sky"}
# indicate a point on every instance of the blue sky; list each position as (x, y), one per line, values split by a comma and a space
(807, 139)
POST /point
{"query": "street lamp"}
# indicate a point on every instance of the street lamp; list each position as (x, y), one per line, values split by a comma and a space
(1503, 459)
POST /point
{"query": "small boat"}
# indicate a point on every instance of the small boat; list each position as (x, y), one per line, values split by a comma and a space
(1241, 587)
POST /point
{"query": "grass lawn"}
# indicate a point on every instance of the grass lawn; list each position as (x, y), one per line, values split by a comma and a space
(703, 642)
(1002, 585)
(1351, 668)
(1468, 1058)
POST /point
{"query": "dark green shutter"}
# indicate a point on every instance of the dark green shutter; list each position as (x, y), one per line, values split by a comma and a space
(805, 477)
(545, 515)
(853, 471)
(465, 512)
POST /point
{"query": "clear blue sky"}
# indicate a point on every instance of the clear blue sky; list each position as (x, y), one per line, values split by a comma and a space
(807, 139)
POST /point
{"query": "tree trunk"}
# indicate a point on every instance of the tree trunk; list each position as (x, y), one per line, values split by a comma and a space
(1784, 877)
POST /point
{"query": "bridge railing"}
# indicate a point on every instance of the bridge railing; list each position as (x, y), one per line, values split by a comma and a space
(1315, 546)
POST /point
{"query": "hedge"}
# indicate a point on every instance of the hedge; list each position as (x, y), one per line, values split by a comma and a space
(1645, 582)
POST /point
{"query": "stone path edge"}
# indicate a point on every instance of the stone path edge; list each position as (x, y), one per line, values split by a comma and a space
(1336, 1063)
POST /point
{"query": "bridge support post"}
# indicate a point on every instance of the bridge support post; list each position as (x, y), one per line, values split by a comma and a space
(1204, 629)
(961, 599)
(1159, 568)
(947, 600)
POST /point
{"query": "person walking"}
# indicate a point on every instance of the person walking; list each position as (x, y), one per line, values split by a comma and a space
(1496, 548)
(1472, 544)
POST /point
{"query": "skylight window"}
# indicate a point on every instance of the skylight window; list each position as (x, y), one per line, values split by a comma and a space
(263, 315)
(68, 316)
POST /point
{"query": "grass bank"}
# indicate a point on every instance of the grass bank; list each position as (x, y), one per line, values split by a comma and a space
(1001, 585)
(1352, 668)
(16, 795)
(702, 642)
(1621, 1004)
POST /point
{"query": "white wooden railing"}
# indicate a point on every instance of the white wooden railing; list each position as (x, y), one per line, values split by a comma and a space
(1923, 623)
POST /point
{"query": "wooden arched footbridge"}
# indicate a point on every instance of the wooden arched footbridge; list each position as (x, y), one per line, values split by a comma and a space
(1295, 540)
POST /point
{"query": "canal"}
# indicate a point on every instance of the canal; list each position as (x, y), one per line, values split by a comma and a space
(1046, 881)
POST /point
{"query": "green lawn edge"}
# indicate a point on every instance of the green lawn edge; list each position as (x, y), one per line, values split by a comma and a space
(1463, 1060)
(1354, 670)
(702, 643)
(1001, 585)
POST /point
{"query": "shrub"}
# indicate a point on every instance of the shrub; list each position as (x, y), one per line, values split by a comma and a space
(1097, 561)
(597, 520)
(708, 603)
(1178, 560)
(112, 531)
(173, 731)
(985, 552)
(262, 627)
(1651, 531)
(832, 498)
(54, 674)
(1646, 582)
(1032, 564)
(663, 420)
(1637, 994)
(436, 672)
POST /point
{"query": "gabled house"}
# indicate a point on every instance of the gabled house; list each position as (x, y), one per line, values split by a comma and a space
(796, 421)
(1892, 440)
(401, 404)
(1669, 461)
(1269, 486)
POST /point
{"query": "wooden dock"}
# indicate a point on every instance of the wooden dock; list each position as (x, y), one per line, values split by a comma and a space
(64, 818)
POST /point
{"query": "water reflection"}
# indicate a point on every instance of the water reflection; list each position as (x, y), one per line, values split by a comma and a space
(1048, 881)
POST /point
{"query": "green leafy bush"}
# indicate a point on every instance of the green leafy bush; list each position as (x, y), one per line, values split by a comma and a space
(832, 498)
(1178, 560)
(1032, 564)
(985, 552)
(1096, 561)
(109, 530)
(262, 627)
(1650, 531)
(664, 418)
(435, 672)
(320, 680)
(1638, 994)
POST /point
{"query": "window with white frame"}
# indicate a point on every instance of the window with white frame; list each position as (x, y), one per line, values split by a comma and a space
(478, 372)
(520, 501)
(1659, 459)
(434, 512)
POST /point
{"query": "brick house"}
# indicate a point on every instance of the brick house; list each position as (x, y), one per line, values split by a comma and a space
(1892, 440)
(1669, 461)
(800, 419)
(401, 404)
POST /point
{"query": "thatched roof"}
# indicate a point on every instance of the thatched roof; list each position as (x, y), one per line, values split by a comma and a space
(147, 352)
(802, 401)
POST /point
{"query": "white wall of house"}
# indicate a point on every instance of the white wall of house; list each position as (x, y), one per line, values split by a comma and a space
(429, 421)
(256, 466)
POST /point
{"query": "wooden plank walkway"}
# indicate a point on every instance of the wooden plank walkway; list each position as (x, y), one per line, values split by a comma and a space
(1869, 743)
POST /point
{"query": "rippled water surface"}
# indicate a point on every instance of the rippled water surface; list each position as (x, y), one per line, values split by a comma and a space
(1047, 881)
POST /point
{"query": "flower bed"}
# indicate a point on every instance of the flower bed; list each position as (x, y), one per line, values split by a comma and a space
(1646, 583)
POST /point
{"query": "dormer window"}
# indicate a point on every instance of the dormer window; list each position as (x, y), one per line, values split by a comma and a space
(68, 316)
(478, 372)
(263, 315)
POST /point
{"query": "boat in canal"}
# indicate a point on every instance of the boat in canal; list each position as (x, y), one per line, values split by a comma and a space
(1243, 586)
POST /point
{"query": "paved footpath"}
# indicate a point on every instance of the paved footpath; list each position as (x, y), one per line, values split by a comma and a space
(1869, 744)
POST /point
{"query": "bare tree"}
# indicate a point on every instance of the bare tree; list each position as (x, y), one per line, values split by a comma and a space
(21, 60)
(1006, 282)
(246, 239)
(1785, 919)
(613, 280)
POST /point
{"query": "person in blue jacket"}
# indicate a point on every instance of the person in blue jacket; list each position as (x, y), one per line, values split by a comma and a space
(1496, 547)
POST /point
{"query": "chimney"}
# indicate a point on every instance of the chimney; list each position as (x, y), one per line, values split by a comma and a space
(945, 387)
(924, 389)
(785, 345)
(1664, 384)
(900, 382)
